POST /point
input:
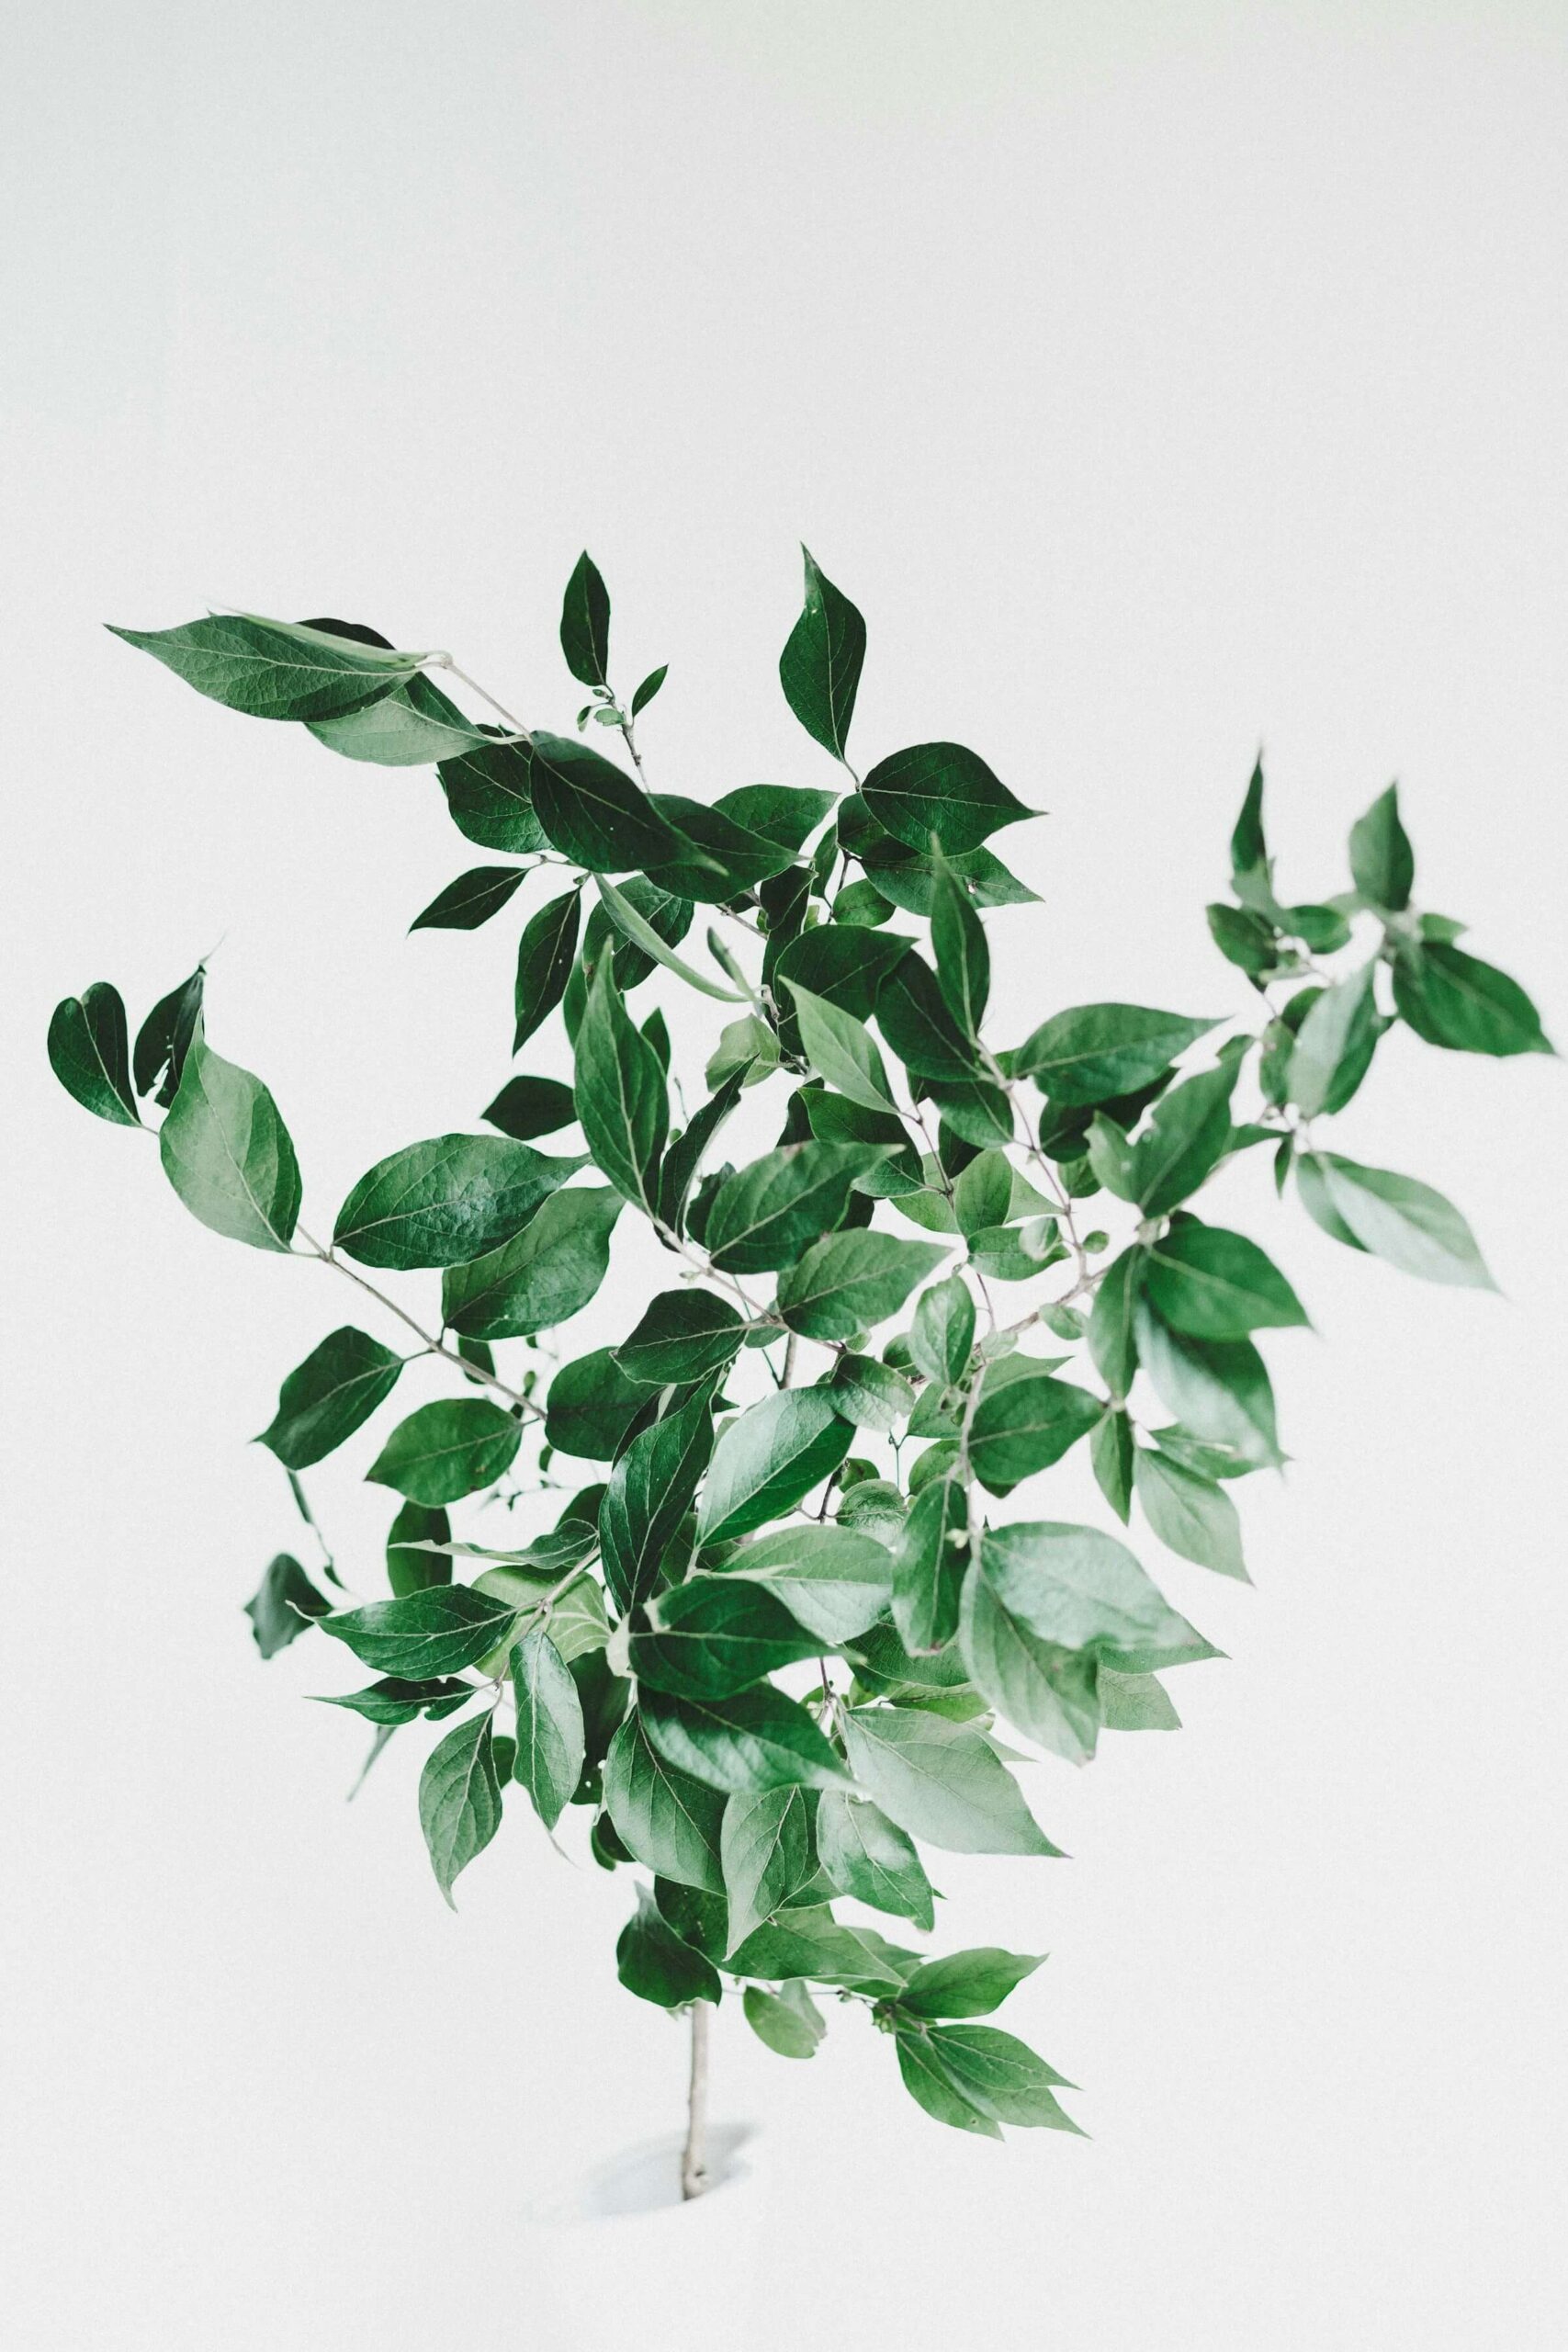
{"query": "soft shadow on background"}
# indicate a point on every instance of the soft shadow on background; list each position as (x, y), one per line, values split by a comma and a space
(1158, 382)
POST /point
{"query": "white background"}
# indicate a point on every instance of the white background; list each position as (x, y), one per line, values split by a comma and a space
(1157, 380)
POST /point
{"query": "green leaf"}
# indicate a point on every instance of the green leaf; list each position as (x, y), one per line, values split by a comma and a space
(1082, 1591)
(819, 667)
(590, 1407)
(1000, 2074)
(1251, 873)
(574, 1619)
(806, 1940)
(788, 2020)
(228, 1154)
(941, 789)
(1214, 1285)
(766, 1849)
(870, 1396)
(684, 1154)
(1026, 1425)
(1112, 1345)
(1187, 1138)
(963, 957)
(1334, 1045)
(786, 813)
(649, 688)
(444, 1201)
(908, 877)
(409, 1568)
(328, 1396)
(1095, 1052)
(764, 1214)
(839, 961)
(593, 813)
(284, 1606)
(931, 2086)
(1383, 863)
(913, 1017)
(1218, 1388)
(89, 1052)
(541, 1277)
(585, 623)
(851, 1281)
(489, 797)
(528, 1107)
(1248, 940)
(392, 1700)
(870, 1857)
(1454, 999)
(274, 669)
(628, 920)
(767, 1459)
(833, 1580)
(652, 1962)
(447, 1449)
(684, 1335)
(472, 901)
(621, 1098)
(757, 1739)
(930, 1558)
(842, 1050)
(983, 1195)
(944, 1331)
(459, 1798)
(1045, 1690)
(670, 1821)
(164, 1039)
(544, 956)
(415, 726)
(439, 1630)
(714, 1636)
(940, 1781)
(716, 859)
(967, 1983)
(1110, 1452)
(699, 1919)
(1135, 1703)
(1401, 1220)
(651, 1489)
(1191, 1515)
(551, 1744)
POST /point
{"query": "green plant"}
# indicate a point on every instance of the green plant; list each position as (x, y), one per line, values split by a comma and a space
(765, 1652)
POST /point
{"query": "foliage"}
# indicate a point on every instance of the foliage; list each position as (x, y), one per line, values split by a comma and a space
(784, 1640)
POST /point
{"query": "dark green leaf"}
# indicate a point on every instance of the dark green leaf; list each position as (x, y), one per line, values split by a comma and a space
(550, 1740)
(967, 1983)
(544, 954)
(851, 1281)
(652, 1962)
(1383, 865)
(940, 1781)
(684, 1154)
(471, 899)
(1110, 1452)
(684, 1334)
(962, 958)
(164, 1039)
(89, 1052)
(442, 1203)
(228, 1154)
(447, 1449)
(328, 1396)
(1454, 999)
(764, 1214)
(1212, 1284)
(716, 859)
(908, 877)
(930, 1558)
(766, 1849)
(585, 623)
(944, 1331)
(542, 1276)
(768, 1458)
(869, 1394)
(459, 1798)
(394, 1701)
(1244, 939)
(409, 1568)
(439, 1630)
(1026, 1425)
(714, 1636)
(1251, 874)
(819, 667)
(834, 1580)
(670, 1821)
(1097, 1051)
(786, 813)
(1000, 2074)
(649, 688)
(758, 1739)
(590, 1407)
(489, 797)
(931, 2086)
(274, 669)
(1334, 1045)
(941, 789)
(621, 1098)
(593, 813)
(841, 961)
(806, 1940)
(1186, 1138)
(651, 1489)
(528, 1107)
(283, 1605)
(913, 1019)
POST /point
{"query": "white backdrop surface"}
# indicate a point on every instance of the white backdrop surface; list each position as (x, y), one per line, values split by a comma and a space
(1157, 381)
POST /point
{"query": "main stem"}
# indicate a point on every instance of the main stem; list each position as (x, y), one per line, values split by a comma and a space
(694, 2155)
